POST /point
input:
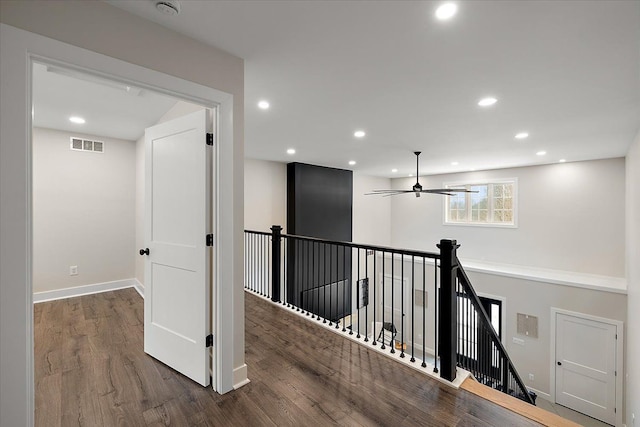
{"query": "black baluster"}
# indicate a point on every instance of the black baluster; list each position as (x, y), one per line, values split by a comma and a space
(337, 285)
(393, 292)
(358, 294)
(366, 308)
(401, 305)
(436, 304)
(413, 344)
(373, 337)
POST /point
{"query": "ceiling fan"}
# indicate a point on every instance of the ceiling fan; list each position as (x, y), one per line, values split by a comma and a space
(417, 188)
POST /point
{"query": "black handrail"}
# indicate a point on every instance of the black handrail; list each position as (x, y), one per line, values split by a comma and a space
(483, 317)
(432, 255)
(316, 276)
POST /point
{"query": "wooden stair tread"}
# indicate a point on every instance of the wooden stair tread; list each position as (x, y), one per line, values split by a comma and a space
(516, 405)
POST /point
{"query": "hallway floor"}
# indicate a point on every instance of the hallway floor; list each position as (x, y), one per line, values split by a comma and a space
(91, 370)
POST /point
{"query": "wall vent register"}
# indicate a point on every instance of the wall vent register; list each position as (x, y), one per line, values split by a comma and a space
(527, 325)
(80, 144)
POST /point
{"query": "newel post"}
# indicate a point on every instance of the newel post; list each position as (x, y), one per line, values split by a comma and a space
(276, 240)
(447, 331)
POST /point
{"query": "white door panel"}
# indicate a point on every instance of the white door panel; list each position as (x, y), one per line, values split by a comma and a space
(586, 366)
(177, 269)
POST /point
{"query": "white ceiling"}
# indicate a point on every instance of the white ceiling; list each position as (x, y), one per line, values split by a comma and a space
(567, 72)
(110, 110)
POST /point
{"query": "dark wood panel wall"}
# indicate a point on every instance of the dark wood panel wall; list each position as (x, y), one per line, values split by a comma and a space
(319, 204)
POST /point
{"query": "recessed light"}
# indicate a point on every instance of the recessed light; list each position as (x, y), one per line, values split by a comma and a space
(410, 174)
(446, 11)
(352, 162)
(454, 163)
(522, 135)
(472, 170)
(359, 134)
(487, 102)
(291, 151)
(394, 170)
(562, 160)
(77, 120)
(541, 153)
(263, 105)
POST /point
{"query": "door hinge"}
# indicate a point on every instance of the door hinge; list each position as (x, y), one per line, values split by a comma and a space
(209, 340)
(615, 373)
(209, 139)
(209, 239)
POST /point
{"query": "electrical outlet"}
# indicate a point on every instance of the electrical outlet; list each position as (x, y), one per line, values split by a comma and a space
(73, 270)
(531, 377)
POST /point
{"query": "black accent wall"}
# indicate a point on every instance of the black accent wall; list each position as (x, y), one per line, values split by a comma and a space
(319, 204)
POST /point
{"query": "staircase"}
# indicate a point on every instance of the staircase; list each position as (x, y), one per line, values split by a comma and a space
(418, 306)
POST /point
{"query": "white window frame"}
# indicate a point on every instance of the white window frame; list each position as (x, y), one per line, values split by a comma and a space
(445, 203)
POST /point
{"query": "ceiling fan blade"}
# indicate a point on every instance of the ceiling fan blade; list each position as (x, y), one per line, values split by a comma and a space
(417, 188)
(449, 190)
(444, 193)
(388, 192)
(395, 194)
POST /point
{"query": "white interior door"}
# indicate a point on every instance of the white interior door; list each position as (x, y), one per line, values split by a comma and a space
(586, 366)
(177, 268)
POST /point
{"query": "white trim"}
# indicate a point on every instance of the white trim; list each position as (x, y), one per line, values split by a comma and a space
(240, 377)
(595, 282)
(542, 394)
(619, 355)
(77, 291)
(20, 49)
(139, 287)
(514, 181)
(503, 314)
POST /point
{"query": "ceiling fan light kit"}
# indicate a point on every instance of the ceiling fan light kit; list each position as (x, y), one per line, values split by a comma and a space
(417, 188)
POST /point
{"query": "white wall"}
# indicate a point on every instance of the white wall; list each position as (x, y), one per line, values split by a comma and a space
(83, 211)
(179, 109)
(265, 195)
(537, 298)
(371, 214)
(633, 278)
(570, 217)
(109, 31)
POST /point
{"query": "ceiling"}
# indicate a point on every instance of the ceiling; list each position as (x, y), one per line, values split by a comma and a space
(566, 72)
(110, 109)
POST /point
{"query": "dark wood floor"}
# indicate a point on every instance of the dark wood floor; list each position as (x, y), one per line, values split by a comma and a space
(91, 370)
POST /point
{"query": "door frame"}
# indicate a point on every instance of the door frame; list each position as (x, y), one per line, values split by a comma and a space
(20, 49)
(619, 354)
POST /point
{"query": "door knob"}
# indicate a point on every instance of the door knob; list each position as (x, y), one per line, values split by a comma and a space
(144, 251)
(559, 363)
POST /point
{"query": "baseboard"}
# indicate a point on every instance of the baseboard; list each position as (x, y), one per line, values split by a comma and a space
(139, 287)
(240, 376)
(77, 291)
(542, 394)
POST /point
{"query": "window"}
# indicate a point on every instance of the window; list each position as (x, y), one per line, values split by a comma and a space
(492, 203)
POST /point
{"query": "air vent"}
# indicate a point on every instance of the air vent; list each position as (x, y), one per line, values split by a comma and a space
(527, 325)
(80, 144)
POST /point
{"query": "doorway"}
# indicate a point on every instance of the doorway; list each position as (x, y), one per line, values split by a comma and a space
(90, 138)
(587, 364)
